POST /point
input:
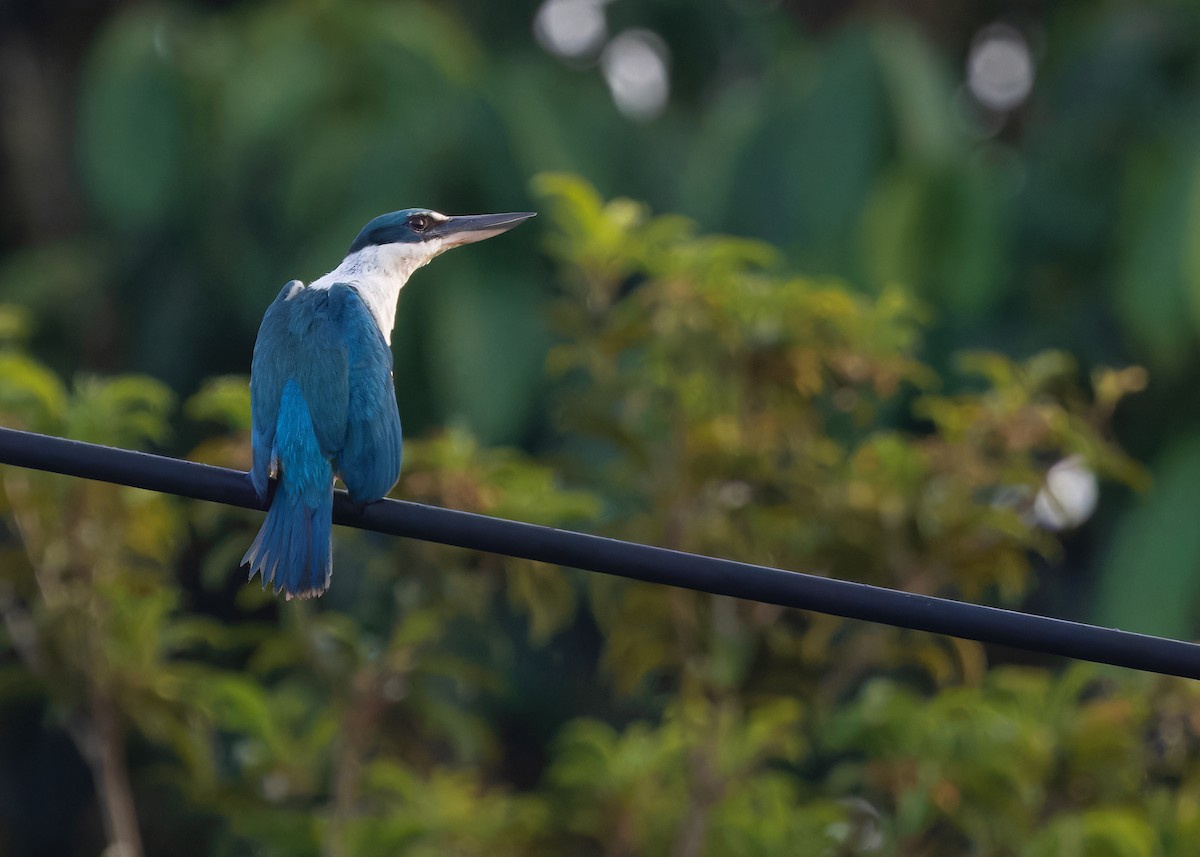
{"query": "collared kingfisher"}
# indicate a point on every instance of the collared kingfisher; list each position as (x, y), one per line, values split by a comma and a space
(322, 399)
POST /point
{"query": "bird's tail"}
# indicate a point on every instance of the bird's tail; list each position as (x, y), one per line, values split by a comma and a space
(292, 548)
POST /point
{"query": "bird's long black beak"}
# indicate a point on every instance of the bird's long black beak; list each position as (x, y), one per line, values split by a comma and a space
(467, 228)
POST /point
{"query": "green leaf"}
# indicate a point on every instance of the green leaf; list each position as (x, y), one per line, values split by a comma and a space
(132, 127)
(1100, 832)
(922, 95)
(30, 394)
(224, 400)
(127, 410)
(1157, 284)
(1148, 579)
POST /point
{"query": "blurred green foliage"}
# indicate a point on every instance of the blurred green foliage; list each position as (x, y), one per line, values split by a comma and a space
(889, 414)
(211, 152)
(709, 400)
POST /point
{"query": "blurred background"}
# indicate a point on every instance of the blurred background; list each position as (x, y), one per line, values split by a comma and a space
(905, 293)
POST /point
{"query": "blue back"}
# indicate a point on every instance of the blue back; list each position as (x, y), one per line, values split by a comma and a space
(327, 344)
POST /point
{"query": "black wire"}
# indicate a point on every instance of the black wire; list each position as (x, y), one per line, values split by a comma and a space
(641, 562)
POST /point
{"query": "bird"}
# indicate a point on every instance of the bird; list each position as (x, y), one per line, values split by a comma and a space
(322, 396)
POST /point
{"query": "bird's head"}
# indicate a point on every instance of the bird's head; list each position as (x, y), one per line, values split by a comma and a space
(419, 234)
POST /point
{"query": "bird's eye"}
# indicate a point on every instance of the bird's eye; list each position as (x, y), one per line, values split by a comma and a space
(419, 222)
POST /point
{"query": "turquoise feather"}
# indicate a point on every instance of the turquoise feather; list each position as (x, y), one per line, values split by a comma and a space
(322, 404)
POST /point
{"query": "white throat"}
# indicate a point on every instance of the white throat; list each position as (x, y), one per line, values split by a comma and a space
(378, 274)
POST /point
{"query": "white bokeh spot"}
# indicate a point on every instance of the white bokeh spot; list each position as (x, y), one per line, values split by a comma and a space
(1000, 68)
(571, 28)
(635, 68)
(1069, 496)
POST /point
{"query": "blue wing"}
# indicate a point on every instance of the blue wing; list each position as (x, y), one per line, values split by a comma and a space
(329, 344)
(370, 460)
(300, 340)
